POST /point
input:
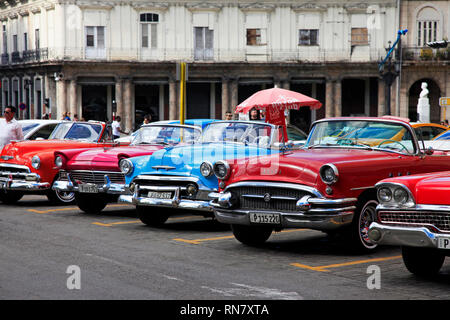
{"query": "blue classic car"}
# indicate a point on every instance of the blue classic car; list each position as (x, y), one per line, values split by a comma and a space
(182, 176)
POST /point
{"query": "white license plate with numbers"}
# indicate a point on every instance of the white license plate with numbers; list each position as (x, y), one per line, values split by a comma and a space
(443, 243)
(160, 195)
(269, 218)
(88, 188)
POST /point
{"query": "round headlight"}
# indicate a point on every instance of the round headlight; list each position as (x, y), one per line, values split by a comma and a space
(384, 194)
(222, 170)
(36, 162)
(126, 166)
(58, 161)
(329, 174)
(401, 195)
(206, 169)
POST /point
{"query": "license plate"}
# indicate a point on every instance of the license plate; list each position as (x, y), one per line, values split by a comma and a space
(443, 243)
(269, 218)
(160, 195)
(88, 188)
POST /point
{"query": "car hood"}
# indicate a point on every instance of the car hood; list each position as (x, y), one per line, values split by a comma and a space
(433, 189)
(303, 166)
(107, 158)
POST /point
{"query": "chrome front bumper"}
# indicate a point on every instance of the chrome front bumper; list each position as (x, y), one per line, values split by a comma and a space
(405, 236)
(107, 187)
(176, 202)
(14, 183)
(314, 211)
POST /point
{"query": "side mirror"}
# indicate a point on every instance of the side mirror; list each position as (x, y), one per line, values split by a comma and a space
(429, 151)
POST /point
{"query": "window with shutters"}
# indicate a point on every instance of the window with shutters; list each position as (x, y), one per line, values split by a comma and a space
(254, 37)
(360, 37)
(204, 43)
(426, 32)
(149, 24)
(95, 42)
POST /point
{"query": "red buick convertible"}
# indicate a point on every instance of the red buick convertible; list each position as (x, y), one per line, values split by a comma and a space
(28, 166)
(328, 185)
(414, 212)
(95, 175)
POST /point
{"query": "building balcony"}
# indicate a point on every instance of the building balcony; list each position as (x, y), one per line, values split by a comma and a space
(425, 54)
(35, 55)
(16, 57)
(5, 58)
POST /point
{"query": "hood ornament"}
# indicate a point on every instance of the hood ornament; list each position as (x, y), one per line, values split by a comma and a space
(6, 158)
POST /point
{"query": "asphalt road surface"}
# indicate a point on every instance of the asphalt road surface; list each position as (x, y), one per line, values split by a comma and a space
(57, 252)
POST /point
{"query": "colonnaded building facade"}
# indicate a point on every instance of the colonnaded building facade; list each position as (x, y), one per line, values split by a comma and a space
(119, 57)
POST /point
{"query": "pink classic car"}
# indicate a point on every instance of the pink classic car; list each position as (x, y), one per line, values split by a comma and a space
(328, 185)
(96, 176)
(414, 212)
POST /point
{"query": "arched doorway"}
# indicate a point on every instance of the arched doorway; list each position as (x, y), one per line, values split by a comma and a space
(433, 96)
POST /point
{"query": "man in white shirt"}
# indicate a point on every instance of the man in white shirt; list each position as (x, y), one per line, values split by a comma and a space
(116, 130)
(10, 128)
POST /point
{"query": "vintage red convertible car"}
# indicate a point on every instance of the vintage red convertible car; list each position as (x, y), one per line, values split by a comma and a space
(28, 166)
(414, 212)
(95, 175)
(328, 185)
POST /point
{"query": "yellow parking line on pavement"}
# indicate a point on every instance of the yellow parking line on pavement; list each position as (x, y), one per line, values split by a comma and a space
(53, 210)
(111, 224)
(198, 241)
(345, 264)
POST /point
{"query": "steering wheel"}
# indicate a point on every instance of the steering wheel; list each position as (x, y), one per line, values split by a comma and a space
(393, 141)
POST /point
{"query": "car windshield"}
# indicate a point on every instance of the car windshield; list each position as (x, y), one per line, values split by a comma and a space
(165, 135)
(257, 133)
(362, 134)
(28, 127)
(89, 132)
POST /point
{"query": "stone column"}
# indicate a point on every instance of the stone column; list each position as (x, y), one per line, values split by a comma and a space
(73, 98)
(172, 99)
(127, 112)
(119, 99)
(225, 97)
(234, 95)
(61, 103)
(338, 98)
(381, 98)
(329, 98)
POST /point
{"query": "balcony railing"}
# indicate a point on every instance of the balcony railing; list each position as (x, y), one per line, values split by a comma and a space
(425, 54)
(310, 54)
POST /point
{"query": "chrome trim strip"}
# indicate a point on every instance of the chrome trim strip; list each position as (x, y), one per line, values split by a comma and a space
(167, 168)
(362, 188)
(257, 196)
(165, 178)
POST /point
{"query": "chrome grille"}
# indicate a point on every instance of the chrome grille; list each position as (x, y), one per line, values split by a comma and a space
(97, 177)
(11, 168)
(437, 220)
(253, 198)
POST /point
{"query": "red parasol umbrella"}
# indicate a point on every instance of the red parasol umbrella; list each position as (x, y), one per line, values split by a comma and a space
(275, 101)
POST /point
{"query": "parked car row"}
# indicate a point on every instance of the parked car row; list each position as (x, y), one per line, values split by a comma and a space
(373, 180)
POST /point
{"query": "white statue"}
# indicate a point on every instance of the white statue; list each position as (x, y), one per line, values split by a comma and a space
(423, 105)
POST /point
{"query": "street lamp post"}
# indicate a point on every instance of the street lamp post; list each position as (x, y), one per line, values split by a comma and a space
(390, 69)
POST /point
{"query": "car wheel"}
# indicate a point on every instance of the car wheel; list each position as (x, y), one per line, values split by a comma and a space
(365, 214)
(251, 235)
(153, 216)
(91, 204)
(61, 197)
(10, 197)
(422, 261)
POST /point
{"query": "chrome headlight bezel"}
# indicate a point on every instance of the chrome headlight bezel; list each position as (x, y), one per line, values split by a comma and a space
(36, 162)
(207, 166)
(222, 170)
(59, 161)
(126, 166)
(399, 195)
(329, 174)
